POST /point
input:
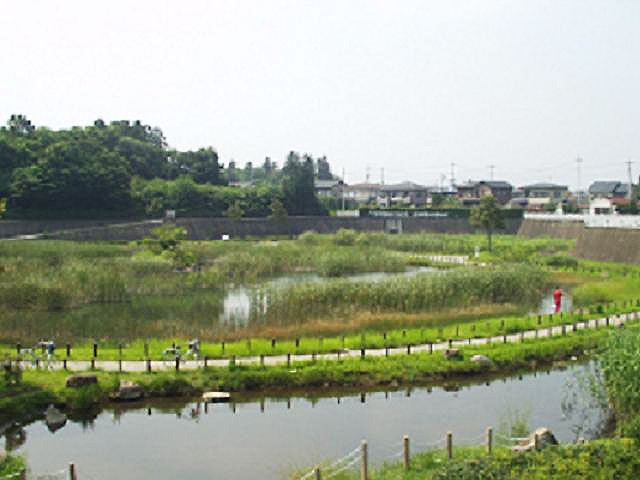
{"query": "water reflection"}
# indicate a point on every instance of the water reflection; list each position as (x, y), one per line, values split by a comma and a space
(191, 439)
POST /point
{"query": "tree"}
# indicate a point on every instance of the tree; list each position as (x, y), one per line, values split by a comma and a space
(298, 187)
(202, 165)
(73, 175)
(488, 216)
(324, 169)
(20, 124)
(278, 212)
(234, 211)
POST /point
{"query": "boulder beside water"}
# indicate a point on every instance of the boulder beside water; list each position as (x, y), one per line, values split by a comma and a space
(545, 438)
(128, 391)
(54, 418)
(452, 353)
(83, 380)
(216, 397)
(482, 360)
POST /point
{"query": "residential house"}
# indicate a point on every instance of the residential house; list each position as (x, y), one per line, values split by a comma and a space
(328, 188)
(605, 196)
(470, 193)
(405, 194)
(362, 193)
(540, 195)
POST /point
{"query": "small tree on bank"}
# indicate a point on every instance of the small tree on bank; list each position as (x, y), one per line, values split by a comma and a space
(278, 212)
(234, 211)
(487, 216)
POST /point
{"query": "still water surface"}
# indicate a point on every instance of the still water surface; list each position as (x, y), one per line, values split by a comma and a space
(247, 441)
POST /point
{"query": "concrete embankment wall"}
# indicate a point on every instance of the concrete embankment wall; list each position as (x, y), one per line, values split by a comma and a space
(568, 230)
(214, 228)
(601, 244)
(14, 228)
(608, 245)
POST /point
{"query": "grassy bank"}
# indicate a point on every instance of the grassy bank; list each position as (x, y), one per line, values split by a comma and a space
(47, 386)
(601, 459)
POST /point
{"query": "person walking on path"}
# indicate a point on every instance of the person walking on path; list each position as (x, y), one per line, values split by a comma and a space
(557, 299)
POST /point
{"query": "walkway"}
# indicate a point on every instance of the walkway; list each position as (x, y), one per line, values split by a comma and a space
(273, 360)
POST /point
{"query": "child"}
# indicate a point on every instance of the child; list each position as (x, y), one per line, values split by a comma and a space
(557, 298)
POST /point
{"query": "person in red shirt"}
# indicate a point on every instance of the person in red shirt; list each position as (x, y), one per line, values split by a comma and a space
(557, 298)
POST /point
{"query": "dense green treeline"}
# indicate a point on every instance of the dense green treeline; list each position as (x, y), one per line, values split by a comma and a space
(126, 168)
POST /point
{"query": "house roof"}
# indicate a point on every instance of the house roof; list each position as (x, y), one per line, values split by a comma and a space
(489, 183)
(325, 183)
(546, 186)
(608, 187)
(363, 187)
(404, 186)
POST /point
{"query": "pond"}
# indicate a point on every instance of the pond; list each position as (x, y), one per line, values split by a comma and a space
(241, 302)
(269, 438)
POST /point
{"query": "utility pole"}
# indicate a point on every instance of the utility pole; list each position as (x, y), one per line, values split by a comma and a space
(453, 177)
(368, 174)
(629, 193)
(342, 188)
(578, 165)
(382, 176)
(491, 169)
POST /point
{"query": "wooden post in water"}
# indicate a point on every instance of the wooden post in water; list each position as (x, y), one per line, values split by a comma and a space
(364, 459)
(317, 474)
(449, 445)
(489, 440)
(72, 472)
(405, 452)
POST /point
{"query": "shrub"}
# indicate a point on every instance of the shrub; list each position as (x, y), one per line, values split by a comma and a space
(561, 261)
(345, 237)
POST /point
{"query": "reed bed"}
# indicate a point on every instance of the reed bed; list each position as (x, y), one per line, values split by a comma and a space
(424, 292)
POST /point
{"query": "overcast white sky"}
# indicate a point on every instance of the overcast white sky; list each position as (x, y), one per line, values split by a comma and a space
(410, 86)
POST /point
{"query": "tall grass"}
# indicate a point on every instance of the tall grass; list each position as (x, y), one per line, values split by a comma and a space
(424, 292)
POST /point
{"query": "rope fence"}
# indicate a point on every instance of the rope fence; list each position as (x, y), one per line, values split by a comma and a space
(359, 456)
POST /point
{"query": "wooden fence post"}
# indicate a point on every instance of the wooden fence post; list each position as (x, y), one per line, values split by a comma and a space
(449, 445)
(72, 472)
(405, 452)
(317, 474)
(364, 459)
(489, 440)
